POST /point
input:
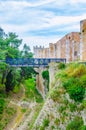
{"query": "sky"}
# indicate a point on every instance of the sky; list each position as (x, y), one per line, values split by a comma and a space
(40, 22)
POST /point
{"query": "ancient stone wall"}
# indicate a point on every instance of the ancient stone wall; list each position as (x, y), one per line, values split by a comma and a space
(83, 40)
(72, 46)
(68, 47)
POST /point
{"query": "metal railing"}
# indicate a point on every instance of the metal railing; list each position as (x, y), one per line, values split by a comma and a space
(33, 62)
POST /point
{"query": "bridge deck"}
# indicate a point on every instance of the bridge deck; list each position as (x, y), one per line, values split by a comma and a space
(33, 62)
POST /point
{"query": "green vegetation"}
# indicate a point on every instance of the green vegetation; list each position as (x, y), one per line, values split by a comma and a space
(74, 81)
(61, 65)
(31, 91)
(76, 124)
(6, 113)
(45, 124)
(45, 75)
(11, 78)
(2, 105)
(36, 113)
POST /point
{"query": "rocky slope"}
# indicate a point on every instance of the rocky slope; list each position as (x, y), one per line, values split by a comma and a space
(60, 111)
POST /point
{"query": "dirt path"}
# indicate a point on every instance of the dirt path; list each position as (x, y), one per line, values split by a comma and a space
(20, 115)
(28, 118)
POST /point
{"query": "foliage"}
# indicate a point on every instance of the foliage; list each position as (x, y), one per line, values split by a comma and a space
(74, 88)
(55, 95)
(75, 124)
(62, 108)
(27, 72)
(31, 91)
(45, 124)
(9, 84)
(26, 52)
(57, 121)
(61, 65)
(6, 116)
(45, 75)
(74, 81)
(36, 113)
(72, 107)
(2, 105)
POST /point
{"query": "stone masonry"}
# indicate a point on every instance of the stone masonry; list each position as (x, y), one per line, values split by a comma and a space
(83, 40)
(72, 46)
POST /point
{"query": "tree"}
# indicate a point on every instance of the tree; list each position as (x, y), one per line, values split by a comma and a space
(1, 33)
(26, 53)
(9, 84)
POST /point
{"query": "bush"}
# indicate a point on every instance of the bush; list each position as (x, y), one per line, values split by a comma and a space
(72, 107)
(76, 70)
(55, 95)
(74, 88)
(83, 80)
(76, 92)
(45, 75)
(75, 124)
(2, 105)
(61, 65)
(45, 124)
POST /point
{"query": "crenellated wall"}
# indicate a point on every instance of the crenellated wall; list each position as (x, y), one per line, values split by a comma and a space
(67, 47)
(72, 46)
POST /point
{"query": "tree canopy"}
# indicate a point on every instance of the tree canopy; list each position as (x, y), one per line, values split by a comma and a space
(9, 47)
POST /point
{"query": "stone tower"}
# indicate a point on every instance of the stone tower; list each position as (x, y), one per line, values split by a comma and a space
(83, 40)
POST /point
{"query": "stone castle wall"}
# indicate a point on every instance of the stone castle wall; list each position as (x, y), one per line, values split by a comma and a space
(72, 46)
(83, 40)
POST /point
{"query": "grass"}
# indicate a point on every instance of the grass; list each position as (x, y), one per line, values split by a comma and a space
(76, 124)
(31, 91)
(73, 78)
(6, 116)
(38, 107)
(45, 124)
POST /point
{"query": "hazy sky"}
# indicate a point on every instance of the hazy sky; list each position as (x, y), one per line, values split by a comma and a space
(40, 22)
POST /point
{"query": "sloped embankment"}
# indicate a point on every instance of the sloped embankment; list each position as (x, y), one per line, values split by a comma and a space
(65, 107)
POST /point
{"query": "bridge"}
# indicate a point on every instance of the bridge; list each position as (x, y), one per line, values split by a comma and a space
(32, 62)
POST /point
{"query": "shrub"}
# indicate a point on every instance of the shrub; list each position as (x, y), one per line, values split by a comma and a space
(72, 107)
(77, 70)
(57, 121)
(75, 124)
(2, 105)
(45, 75)
(61, 65)
(76, 92)
(83, 127)
(55, 95)
(62, 108)
(83, 80)
(45, 124)
(74, 88)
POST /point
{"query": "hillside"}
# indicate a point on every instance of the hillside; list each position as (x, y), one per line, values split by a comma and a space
(65, 106)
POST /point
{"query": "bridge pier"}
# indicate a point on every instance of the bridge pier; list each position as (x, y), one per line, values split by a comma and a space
(40, 82)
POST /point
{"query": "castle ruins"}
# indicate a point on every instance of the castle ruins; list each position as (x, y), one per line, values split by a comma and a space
(72, 46)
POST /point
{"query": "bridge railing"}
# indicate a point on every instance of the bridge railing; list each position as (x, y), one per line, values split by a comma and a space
(33, 61)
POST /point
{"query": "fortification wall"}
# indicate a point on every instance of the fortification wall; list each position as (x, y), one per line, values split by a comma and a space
(72, 46)
(83, 40)
(67, 47)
